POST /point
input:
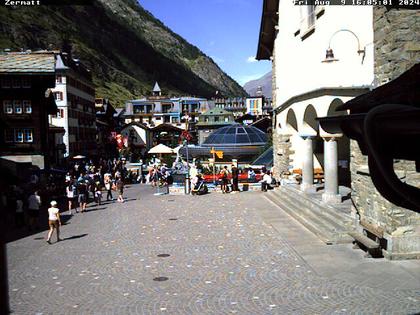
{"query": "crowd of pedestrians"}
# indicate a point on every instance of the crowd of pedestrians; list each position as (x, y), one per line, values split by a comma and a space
(23, 205)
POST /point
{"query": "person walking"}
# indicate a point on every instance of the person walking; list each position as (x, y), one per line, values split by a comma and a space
(235, 178)
(19, 216)
(82, 189)
(98, 194)
(224, 176)
(34, 203)
(120, 189)
(54, 221)
(71, 195)
(108, 187)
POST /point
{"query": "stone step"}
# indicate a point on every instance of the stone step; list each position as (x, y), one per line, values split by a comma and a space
(320, 233)
(328, 210)
(319, 218)
(329, 232)
(327, 215)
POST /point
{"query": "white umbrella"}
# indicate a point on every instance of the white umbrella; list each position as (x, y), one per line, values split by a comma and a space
(161, 149)
(79, 157)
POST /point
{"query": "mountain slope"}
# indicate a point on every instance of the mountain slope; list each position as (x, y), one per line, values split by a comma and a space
(126, 48)
(265, 82)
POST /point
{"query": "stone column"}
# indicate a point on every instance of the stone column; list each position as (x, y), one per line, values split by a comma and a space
(308, 166)
(331, 194)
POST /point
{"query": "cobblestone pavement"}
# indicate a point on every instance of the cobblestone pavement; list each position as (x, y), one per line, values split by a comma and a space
(223, 259)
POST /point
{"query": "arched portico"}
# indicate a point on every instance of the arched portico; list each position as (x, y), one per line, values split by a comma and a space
(336, 148)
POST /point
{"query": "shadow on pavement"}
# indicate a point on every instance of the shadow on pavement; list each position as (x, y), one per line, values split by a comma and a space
(94, 209)
(74, 237)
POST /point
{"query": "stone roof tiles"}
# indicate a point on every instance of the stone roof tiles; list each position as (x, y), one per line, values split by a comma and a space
(27, 63)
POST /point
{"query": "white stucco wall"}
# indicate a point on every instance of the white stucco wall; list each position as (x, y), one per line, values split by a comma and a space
(298, 67)
(298, 64)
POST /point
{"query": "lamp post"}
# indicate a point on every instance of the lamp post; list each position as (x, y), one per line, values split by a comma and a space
(329, 56)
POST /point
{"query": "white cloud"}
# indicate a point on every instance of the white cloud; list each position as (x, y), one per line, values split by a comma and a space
(251, 59)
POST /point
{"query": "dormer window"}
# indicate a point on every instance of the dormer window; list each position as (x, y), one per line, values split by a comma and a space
(309, 15)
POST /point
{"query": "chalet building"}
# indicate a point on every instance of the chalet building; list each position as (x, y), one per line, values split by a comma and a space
(213, 119)
(158, 109)
(259, 105)
(74, 93)
(334, 55)
(25, 79)
(139, 138)
(235, 105)
(105, 127)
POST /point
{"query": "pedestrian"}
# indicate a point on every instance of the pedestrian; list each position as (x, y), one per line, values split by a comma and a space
(54, 221)
(71, 196)
(19, 215)
(98, 194)
(34, 203)
(235, 178)
(120, 189)
(108, 187)
(266, 181)
(82, 190)
(224, 174)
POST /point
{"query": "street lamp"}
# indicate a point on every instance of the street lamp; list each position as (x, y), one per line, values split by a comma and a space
(329, 56)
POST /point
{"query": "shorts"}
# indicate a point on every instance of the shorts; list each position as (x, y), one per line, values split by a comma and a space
(53, 224)
(33, 213)
(225, 181)
(82, 198)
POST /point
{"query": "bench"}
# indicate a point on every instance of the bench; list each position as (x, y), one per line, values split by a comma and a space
(318, 174)
(372, 247)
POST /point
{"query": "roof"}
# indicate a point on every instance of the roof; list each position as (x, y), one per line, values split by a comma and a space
(246, 117)
(266, 158)
(269, 20)
(59, 64)
(216, 112)
(166, 127)
(236, 135)
(27, 63)
(135, 124)
(156, 88)
(119, 111)
(402, 90)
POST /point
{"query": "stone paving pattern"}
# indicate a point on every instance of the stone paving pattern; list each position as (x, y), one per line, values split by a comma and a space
(228, 254)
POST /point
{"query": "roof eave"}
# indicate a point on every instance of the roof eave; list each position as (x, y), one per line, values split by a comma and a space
(269, 20)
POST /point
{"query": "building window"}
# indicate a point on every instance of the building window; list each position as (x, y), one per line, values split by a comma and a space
(18, 135)
(59, 79)
(60, 113)
(9, 135)
(216, 118)
(26, 83)
(5, 83)
(16, 83)
(27, 107)
(8, 107)
(58, 96)
(17, 105)
(28, 135)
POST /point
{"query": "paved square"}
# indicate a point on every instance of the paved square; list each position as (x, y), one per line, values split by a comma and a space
(232, 253)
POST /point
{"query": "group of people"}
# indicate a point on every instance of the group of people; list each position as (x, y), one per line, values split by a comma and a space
(159, 175)
(80, 188)
(267, 181)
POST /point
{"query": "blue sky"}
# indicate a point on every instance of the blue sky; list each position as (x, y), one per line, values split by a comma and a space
(226, 30)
